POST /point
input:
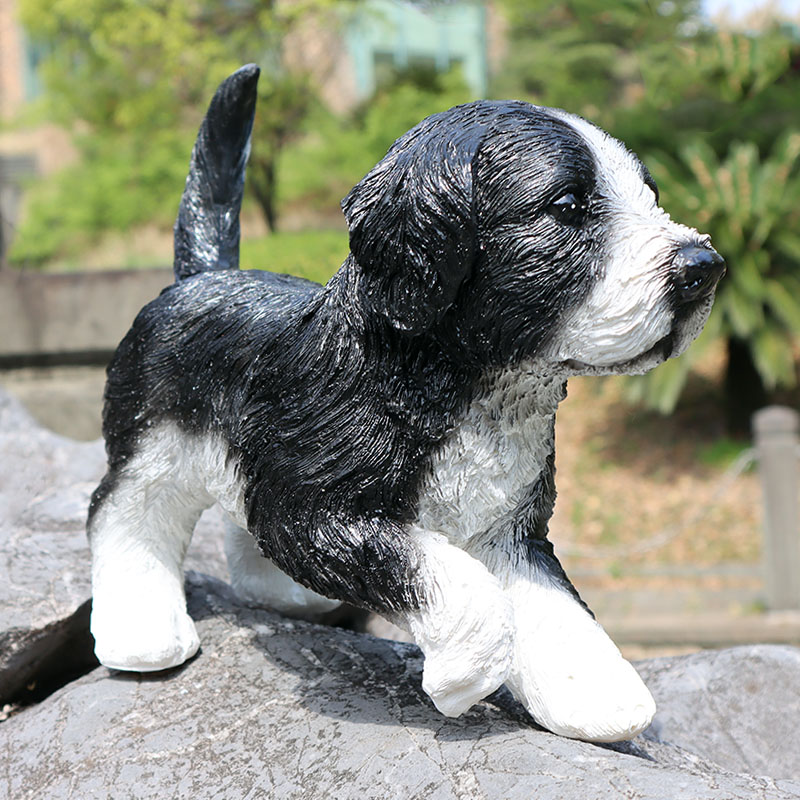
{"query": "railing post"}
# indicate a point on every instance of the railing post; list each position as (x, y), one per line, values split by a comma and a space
(777, 445)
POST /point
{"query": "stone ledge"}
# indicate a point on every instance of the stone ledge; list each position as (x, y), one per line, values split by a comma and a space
(71, 318)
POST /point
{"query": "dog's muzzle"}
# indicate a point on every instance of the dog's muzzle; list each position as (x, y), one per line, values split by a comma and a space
(696, 272)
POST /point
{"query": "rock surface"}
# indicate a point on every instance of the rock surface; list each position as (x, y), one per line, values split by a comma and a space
(279, 709)
(738, 707)
(286, 709)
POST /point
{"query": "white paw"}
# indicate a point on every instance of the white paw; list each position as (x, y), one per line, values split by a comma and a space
(142, 637)
(465, 631)
(455, 683)
(572, 678)
(607, 703)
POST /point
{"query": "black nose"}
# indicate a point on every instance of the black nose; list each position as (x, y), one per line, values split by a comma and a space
(696, 272)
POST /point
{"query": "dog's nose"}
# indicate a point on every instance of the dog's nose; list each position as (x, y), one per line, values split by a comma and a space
(696, 272)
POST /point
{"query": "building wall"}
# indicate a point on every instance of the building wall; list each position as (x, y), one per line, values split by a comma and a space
(395, 34)
(12, 81)
(350, 55)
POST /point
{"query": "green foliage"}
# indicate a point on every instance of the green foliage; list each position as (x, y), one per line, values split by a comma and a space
(134, 79)
(320, 168)
(121, 66)
(589, 56)
(721, 453)
(315, 255)
(116, 186)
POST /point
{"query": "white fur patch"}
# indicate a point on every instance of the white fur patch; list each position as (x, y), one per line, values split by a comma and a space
(627, 312)
(497, 451)
(258, 581)
(566, 670)
(139, 537)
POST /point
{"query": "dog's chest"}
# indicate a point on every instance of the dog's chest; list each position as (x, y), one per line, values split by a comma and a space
(494, 454)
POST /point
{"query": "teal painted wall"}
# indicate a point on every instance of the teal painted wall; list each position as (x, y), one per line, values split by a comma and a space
(392, 33)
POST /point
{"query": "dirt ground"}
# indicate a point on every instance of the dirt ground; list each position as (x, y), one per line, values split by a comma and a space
(649, 488)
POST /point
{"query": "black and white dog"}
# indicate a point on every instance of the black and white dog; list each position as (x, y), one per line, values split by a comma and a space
(388, 439)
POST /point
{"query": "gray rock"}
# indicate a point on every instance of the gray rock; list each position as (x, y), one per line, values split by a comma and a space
(287, 709)
(737, 707)
(45, 484)
(280, 709)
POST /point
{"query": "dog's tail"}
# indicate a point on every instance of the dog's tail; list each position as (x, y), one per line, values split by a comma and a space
(207, 227)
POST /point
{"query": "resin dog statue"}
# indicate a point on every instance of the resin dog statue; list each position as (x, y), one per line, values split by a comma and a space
(388, 439)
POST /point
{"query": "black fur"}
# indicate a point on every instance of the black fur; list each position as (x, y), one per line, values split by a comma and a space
(207, 228)
(332, 400)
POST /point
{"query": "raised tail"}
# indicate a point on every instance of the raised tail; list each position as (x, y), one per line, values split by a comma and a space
(207, 227)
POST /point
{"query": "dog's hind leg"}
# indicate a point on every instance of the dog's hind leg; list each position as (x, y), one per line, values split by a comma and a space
(141, 521)
(566, 670)
(258, 581)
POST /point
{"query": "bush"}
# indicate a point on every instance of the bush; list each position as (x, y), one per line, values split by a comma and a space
(334, 154)
(315, 255)
(117, 185)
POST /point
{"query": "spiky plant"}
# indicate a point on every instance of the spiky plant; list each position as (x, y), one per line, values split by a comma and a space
(750, 204)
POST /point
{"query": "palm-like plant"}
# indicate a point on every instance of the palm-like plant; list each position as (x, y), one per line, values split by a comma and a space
(751, 207)
(748, 199)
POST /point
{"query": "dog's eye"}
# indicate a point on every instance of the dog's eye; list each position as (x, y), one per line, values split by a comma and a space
(569, 209)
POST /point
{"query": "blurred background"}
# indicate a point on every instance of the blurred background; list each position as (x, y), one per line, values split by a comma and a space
(660, 511)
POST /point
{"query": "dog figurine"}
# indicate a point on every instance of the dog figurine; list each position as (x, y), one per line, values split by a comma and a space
(388, 439)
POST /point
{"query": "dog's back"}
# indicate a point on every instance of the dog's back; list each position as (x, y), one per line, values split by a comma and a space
(186, 344)
(189, 346)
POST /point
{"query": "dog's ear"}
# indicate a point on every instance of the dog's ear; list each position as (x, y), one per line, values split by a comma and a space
(412, 226)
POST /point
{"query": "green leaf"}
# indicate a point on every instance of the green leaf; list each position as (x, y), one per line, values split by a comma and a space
(744, 315)
(785, 304)
(774, 357)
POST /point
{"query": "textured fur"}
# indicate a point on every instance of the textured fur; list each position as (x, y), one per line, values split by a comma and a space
(388, 439)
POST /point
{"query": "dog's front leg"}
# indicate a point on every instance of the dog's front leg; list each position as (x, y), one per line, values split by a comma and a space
(455, 609)
(463, 624)
(566, 670)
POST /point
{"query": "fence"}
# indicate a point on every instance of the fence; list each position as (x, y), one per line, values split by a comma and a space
(777, 449)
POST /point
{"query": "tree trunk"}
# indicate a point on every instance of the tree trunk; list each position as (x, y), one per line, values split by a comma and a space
(744, 389)
(262, 184)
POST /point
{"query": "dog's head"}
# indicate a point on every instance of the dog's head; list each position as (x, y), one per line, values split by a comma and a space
(528, 232)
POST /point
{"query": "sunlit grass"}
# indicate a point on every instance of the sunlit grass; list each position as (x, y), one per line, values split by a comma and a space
(312, 254)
